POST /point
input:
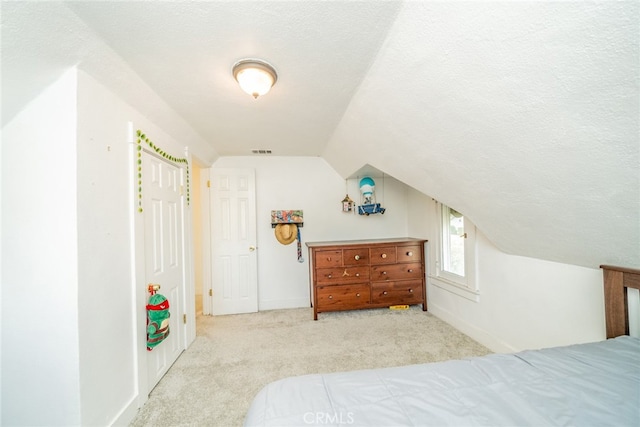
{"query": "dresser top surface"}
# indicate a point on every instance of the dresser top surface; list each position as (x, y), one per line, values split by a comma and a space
(365, 242)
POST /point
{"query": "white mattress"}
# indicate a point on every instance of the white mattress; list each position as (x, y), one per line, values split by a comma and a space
(594, 384)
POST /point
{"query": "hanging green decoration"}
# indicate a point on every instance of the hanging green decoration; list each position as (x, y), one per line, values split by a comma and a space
(143, 138)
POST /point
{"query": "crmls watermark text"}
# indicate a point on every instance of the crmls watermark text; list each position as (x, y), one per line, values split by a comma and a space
(333, 418)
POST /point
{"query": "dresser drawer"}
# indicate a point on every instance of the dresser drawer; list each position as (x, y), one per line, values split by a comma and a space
(393, 293)
(383, 255)
(409, 253)
(358, 256)
(397, 272)
(343, 296)
(330, 258)
(342, 274)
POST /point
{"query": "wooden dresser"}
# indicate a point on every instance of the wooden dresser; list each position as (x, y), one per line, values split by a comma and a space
(356, 274)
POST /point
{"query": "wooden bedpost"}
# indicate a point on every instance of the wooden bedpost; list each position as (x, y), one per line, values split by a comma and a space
(616, 282)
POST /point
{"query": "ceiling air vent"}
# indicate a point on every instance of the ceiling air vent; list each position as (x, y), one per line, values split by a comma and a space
(260, 151)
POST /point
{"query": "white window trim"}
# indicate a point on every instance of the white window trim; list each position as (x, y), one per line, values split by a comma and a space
(465, 286)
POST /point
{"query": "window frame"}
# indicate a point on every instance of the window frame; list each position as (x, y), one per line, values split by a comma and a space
(467, 285)
(448, 246)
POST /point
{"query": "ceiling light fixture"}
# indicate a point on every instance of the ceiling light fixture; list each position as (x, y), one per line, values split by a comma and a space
(255, 76)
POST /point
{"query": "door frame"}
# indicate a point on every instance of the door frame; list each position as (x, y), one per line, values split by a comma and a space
(205, 210)
(139, 291)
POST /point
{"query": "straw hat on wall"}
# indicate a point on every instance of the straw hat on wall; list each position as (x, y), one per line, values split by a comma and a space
(286, 233)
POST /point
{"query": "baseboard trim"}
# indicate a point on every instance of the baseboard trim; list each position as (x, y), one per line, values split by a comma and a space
(287, 303)
(127, 414)
(483, 337)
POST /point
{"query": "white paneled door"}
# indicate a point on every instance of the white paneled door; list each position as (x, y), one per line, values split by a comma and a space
(164, 255)
(233, 241)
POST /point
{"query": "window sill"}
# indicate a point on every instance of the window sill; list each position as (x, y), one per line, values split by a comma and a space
(455, 288)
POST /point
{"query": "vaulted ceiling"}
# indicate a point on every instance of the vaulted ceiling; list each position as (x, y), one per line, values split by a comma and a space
(524, 116)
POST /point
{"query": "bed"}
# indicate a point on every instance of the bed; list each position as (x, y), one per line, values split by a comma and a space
(584, 384)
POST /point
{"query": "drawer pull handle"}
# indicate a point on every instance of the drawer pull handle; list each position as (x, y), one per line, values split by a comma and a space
(410, 291)
(357, 257)
(328, 258)
(383, 255)
(357, 295)
(409, 253)
(384, 293)
(330, 296)
(329, 276)
(384, 273)
(357, 274)
(410, 271)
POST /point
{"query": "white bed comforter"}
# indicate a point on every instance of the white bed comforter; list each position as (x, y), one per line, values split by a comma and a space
(596, 384)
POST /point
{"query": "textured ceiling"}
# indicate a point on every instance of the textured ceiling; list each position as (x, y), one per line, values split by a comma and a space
(524, 117)
(521, 115)
(184, 52)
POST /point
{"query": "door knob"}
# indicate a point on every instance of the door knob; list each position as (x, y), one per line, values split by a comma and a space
(252, 248)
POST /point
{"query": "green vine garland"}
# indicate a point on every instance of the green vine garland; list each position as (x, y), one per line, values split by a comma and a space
(143, 138)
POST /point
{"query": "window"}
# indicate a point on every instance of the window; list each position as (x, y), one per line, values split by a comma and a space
(453, 237)
(455, 262)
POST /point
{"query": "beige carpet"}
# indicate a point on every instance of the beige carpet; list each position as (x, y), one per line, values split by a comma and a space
(233, 357)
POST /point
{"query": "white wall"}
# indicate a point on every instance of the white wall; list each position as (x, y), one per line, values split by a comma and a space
(40, 374)
(418, 204)
(68, 302)
(73, 327)
(112, 290)
(310, 184)
(107, 316)
(524, 302)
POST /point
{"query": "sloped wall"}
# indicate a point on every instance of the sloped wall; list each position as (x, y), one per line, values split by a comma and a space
(522, 116)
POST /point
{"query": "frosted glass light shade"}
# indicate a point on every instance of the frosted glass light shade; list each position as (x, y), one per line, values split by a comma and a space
(256, 77)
